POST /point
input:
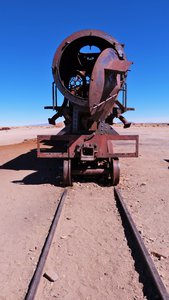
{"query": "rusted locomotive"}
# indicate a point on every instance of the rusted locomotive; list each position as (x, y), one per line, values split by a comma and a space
(89, 69)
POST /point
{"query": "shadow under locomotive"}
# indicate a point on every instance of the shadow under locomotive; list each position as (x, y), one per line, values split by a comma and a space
(45, 171)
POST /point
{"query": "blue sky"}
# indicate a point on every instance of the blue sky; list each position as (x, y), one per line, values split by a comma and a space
(31, 31)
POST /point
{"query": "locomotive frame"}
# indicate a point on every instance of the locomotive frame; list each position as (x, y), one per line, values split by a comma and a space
(90, 83)
(89, 154)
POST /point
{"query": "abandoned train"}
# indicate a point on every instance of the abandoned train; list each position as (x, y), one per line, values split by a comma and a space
(90, 70)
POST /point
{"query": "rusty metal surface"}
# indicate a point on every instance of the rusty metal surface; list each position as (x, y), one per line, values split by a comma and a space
(70, 63)
(90, 70)
(105, 83)
(161, 289)
(75, 141)
(93, 172)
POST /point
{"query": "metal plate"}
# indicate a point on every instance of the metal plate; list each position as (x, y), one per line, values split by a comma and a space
(105, 83)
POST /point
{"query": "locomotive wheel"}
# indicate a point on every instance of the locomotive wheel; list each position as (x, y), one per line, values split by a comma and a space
(115, 171)
(67, 174)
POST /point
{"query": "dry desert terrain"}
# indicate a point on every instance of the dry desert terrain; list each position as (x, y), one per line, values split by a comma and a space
(89, 253)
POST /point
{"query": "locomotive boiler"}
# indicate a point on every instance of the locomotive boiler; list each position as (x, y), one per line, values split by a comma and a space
(90, 70)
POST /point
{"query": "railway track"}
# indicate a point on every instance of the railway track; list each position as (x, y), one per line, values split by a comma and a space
(31, 293)
(158, 289)
(152, 285)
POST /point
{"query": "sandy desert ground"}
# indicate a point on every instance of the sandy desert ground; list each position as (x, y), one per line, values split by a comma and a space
(89, 252)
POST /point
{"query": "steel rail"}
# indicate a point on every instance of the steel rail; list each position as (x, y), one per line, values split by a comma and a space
(146, 256)
(33, 286)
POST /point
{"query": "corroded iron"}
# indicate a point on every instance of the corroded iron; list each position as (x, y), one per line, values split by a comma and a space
(89, 69)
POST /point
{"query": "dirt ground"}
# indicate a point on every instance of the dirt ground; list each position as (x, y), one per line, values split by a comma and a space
(89, 249)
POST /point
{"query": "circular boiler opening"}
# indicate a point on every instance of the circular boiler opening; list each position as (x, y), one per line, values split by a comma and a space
(76, 65)
(90, 49)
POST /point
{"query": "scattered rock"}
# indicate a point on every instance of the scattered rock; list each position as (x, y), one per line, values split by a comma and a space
(32, 257)
(158, 255)
(31, 250)
(63, 237)
(143, 184)
(51, 275)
